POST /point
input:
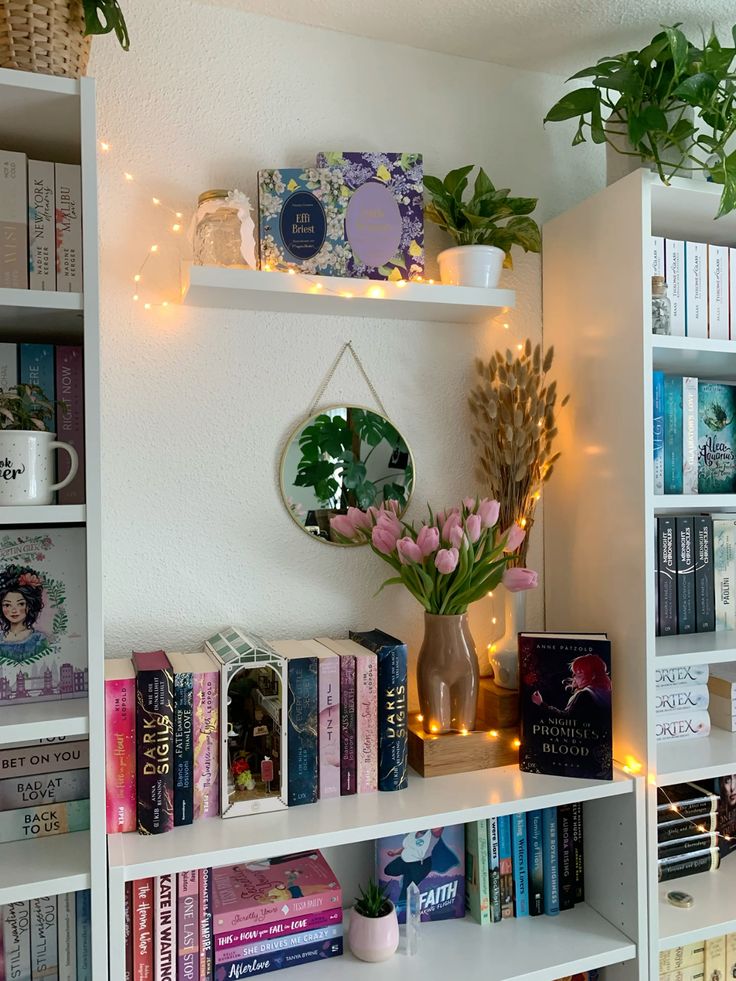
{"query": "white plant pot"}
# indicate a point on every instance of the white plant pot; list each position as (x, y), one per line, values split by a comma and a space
(471, 265)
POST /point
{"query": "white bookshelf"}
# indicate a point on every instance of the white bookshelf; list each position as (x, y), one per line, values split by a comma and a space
(600, 508)
(54, 119)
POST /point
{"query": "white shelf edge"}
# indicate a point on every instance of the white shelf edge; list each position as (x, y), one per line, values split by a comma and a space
(680, 760)
(685, 649)
(41, 299)
(44, 866)
(51, 514)
(696, 503)
(43, 720)
(36, 82)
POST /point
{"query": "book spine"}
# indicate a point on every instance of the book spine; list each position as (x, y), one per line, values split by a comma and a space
(535, 862)
(505, 866)
(120, 754)
(689, 435)
(578, 846)
(551, 862)
(279, 928)
(656, 253)
(732, 291)
(477, 893)
(676, 958)
(44, 939)
(68, 228)
(41, 226)
(67, 936)
(13, 221)
(690, 725)
(686, 809)
(128, 931)
(264, 964)
(183, 748)
(8, 366)
(667, 576)
(303, 753)
(44, 821)
(715, 958)
(392, 718)
(251, 917)
(494, 870)
(206, 941)
(84, 935)
(705, 619)
(295, 940)
(691, 865)
(348, 741)
(695, 674)
(41, 759)
(16, 922)
(677, 830)
(366, 682)
(521, 870)
(724, 569)
(566, 856)
(685, 563)
(36, 367)
(694, 697)
(718, 288)
(70, 419)
(696, 289)
(206, 697)
(58, 788)
(674, 257)
(731, 943)
(155, 751)
(188, 926)
(672, 435)
(143, 939)
(658, 431)
(722, 713)
(655, 573)
(164, 960)
(329, 726)
(686, 846)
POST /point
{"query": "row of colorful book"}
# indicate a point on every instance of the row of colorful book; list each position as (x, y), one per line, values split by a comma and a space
(525, 864)
(701, 285)
(694, 441)
(44, 789)
(48, 937)
(696, 826)
(233, 921)
(702, 960)
(58, 370)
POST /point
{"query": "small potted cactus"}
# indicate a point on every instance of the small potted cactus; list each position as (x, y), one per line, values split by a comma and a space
(374, 927)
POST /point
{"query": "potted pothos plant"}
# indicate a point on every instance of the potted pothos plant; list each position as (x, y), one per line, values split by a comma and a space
(670, 105)
(373, 931)
(485, 227)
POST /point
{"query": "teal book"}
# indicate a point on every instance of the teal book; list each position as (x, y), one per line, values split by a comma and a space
(84, 936)
(36, 367)
(716, 438)
(673, 435)
(550, 847)
(535, 862)
(521, 865)
(505, 866)
(658, 430)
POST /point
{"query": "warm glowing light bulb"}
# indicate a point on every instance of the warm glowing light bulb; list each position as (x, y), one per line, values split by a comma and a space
(265, 267)
(505, 326)
(176, 228)
(523, 522)
(348, 296)
(375, 292)
(519, 347)
(701, 828)
(146, 306)
(179, 215)
(156, 201)
(400, 283)
(291, 272)
(673, 807)
(105, 147)
(431, 282)
(463, 732)
(318, 286)
(136, 297)
(137, 278)
(127, 176)
(493, 734)
(516, 743)
(154, 248)
(493, 648)
(491, 593)
(434, 728)
(420, 717)
(494, 620)
(165, 303)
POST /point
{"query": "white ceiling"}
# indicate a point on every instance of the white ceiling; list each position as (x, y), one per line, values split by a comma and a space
(557, 36)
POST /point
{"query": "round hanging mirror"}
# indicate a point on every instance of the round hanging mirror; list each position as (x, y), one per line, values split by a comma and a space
(344, 456)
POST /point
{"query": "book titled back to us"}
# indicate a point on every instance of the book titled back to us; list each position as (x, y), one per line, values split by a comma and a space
(565, 698)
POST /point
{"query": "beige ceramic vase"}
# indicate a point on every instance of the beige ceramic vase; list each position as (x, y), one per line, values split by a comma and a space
(447, 675)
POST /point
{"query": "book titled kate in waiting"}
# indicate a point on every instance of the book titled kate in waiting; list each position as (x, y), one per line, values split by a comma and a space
(565, 699)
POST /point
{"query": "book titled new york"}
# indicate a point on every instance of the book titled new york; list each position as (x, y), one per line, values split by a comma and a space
(302, 711)
(505, 866)
(155, 742)
(187, 926)
(716, 438)
(685, 564)
(392, 707)
(565, 705)
(278, 961)
(704, 578)
(658, 431)
(535, 861)
(165, 958)
(143, 925)
(667, 566)
(566, 856)
(41, 226)
(551, 870)
(477, 891)
(70, 419)
(673, 441)
(183, 739)
(120, 748)
(521, 865)
(206, 735)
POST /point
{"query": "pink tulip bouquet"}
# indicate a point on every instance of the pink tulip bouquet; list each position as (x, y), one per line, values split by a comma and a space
(453, 559)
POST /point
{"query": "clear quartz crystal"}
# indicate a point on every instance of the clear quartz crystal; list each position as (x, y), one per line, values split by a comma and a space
(413, 918)
(217, 240)
(661, 307)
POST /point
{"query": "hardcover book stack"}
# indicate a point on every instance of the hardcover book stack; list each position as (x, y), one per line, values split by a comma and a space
(722, 689)
(525, 864)
(687, 836)
(691, 556)
(682, 698)
(40, 224)
(702, 960)
(232, 922)
(701, 285)
(48, 937)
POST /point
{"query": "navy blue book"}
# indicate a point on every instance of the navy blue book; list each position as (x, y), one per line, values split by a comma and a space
(392, 706)
(183, 739)
(302, 710)
(551, 863)
(578, 851)
(685, 565)
(705, 617)
(535, 860)
(521, 865)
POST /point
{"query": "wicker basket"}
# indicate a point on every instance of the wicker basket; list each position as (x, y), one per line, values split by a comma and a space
(44, 36)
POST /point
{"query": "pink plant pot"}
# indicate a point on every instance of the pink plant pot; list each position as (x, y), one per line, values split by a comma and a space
(374, 938)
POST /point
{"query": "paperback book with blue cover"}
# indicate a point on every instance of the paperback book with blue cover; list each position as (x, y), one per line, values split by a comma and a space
(716, 438)
(434, 859)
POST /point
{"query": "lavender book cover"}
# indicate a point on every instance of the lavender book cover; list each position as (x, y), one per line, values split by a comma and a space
(434, 859)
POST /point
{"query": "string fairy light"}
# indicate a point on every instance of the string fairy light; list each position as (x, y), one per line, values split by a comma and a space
(675, 809)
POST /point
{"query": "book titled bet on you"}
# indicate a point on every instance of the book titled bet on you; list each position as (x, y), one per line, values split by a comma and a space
(565, 702)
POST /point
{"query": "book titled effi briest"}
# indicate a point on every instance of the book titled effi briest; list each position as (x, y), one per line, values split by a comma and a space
(433, 859)
(155, 742)
(565, 705)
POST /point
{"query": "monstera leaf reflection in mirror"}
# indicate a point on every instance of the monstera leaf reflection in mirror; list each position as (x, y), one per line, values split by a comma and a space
(344, 457)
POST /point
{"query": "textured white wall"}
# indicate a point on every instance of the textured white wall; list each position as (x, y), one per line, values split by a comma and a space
(197, 404)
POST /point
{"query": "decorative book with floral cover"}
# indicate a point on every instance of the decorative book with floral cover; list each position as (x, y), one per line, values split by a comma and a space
(384, 221)
(43, 615)
(434, 859)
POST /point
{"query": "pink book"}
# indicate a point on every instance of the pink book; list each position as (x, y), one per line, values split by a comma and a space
(70, 419)
(120, 745)
(236, 939)
(164, 959)
(247, 896)
(143, 930)
(329, 724)
(206, 698)
(187, 926)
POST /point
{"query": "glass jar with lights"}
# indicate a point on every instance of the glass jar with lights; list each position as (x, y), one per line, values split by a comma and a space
(219, 229)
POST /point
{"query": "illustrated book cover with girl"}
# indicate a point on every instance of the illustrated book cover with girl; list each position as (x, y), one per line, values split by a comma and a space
(565, 701)
(43, 615)
(434, 859)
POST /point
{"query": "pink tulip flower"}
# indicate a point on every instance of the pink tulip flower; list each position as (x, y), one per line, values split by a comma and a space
(453, 521)
(457, 536)
(408, 550)
(470, 503)
(361, 519)
(343, 525)
(446, 560)
(488, 512)
(515, 580)
(384, 539)
(473, 527)
(514, 537)
(428, 539)
(386, 519)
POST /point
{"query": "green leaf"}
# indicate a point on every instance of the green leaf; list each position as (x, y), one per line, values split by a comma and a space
(697, 89)
(483, 184)
(679, 48)
(572, 104)
(604, 67)
(653, 119)
(103, 16)
(353, 475)
(728, 197)
(365, 494)
(457, 180)
(435, 186)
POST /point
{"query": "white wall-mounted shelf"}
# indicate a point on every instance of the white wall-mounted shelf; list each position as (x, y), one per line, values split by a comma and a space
(697, 503)
(39, 314)
(33, 719)
(252, 289)
(683, 649)
(697, 356)
(44, 866)
(51, 514)
(712, 914)
(680, 760)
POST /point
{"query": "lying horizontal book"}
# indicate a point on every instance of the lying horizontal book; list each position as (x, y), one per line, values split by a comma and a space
(683, 828)
(675, 868)
(684, 800)
(25, 823)
(686, 846)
